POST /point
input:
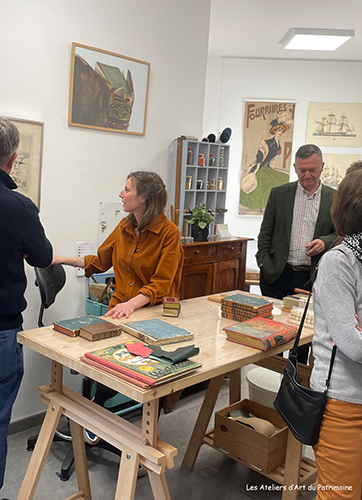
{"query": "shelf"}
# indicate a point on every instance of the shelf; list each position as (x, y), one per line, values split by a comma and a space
(182, 198)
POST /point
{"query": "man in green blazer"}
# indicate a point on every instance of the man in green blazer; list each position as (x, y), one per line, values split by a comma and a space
(296, 229)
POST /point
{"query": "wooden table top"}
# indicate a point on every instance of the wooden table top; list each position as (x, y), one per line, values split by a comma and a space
(199, 316)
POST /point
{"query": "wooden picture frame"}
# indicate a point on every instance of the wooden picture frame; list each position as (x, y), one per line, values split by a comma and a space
(26, 170)
(108, 91)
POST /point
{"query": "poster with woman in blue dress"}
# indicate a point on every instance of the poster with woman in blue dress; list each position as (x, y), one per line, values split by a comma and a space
(266, 158)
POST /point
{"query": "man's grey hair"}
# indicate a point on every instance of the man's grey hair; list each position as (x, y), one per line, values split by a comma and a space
(9, 140)
(308, 150)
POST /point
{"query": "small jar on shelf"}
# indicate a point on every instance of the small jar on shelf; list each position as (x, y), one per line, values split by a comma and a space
(212, 160)
(222, 157)
(220, 184)
(189, 156)
(201, 161)
(188, 181)
(199, 183)
(212, 184)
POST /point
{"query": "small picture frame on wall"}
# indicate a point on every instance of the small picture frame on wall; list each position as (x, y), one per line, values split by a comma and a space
(108, 91)
(26, 170)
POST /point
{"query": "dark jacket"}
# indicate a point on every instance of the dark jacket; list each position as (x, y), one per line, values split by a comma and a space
(20, 233)
(275, 230)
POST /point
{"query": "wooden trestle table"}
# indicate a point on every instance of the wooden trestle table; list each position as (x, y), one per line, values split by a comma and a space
(143, 445)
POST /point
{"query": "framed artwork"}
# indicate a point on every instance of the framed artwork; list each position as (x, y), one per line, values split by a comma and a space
(335, 167)
(266, 156)
(26, 171)
(108, 91)
(334, 124)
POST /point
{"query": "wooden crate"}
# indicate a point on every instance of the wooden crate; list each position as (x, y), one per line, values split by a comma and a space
(263, 452)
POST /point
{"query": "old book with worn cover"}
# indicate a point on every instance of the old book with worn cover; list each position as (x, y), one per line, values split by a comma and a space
(243, 314)
(156, 331)
(262, 333)
(98, 331)
(247, 302)
(72, 326)
(146, 370)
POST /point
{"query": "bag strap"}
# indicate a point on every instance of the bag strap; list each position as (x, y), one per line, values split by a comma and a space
(333, 355)
(293, 351)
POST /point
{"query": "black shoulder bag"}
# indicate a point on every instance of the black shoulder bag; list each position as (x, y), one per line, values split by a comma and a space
(301, 408)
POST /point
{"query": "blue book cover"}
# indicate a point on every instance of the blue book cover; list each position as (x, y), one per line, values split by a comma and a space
(156, 331)
(72, 326)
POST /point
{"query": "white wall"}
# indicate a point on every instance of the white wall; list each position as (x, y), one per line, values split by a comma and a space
(82, 167)
(231, 81)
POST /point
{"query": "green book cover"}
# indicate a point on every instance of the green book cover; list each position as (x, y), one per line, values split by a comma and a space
(72, 326)
(247, 302)
(150, 371)
(156, 331)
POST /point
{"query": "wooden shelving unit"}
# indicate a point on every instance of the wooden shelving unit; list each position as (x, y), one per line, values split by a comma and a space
(185, 166)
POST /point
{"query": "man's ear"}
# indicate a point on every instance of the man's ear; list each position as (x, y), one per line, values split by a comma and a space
(9, 164)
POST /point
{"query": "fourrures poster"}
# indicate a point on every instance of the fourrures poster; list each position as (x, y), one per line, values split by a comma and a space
(266, 156)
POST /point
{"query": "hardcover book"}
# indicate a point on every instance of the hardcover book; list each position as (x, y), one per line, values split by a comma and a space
(72, 326)
(156, 331)
(247, 302)
(146, 370)
(227, 312)
(261, 333)
(99, 331)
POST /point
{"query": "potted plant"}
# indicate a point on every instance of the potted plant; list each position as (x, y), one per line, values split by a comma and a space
(200, 219)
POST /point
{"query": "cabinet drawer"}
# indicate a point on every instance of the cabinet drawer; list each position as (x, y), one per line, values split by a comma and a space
(228, 249)
(199, 253)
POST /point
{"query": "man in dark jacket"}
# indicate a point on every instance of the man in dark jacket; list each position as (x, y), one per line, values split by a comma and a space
(296, 230)
(21, 237)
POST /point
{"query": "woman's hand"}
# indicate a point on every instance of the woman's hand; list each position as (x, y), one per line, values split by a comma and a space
(127, 308)
(122, 309)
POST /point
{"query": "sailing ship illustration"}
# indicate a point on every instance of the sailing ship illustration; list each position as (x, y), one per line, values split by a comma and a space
(331, 176)
(330, 126)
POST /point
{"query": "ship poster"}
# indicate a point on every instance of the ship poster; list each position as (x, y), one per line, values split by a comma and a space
(334, 124)
(266, 156)
(335, 167)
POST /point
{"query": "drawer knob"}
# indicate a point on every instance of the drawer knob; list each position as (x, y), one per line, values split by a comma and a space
(197, 252)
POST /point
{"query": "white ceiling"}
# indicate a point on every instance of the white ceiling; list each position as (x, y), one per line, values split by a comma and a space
(253, 28)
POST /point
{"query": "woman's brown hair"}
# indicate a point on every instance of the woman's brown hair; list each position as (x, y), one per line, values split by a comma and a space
(151, 186)
(346, 207)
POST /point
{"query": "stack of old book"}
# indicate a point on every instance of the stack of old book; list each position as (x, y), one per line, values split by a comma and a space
(239, 307)
(141, 365)
(89, 327)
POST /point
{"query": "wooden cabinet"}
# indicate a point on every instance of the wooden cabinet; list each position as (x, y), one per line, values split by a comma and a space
(193, 183)
(213, 267)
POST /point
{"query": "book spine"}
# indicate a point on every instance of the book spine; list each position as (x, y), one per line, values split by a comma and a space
(232, 313)
(246, 307)
(70, 333)
(139, 335)
(120, 369)
(115, 373)
(279, 338)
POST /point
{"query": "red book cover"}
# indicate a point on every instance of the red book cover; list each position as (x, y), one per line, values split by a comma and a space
(262, 333)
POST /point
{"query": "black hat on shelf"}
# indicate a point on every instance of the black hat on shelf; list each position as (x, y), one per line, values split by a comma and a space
(225, 135)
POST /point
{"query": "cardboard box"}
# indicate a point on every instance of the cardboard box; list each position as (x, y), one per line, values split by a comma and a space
(265, 453)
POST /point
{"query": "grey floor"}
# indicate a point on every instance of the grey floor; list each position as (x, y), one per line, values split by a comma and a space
(215, 476)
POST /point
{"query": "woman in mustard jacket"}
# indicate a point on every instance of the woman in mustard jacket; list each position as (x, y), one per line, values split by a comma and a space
(145, 249)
